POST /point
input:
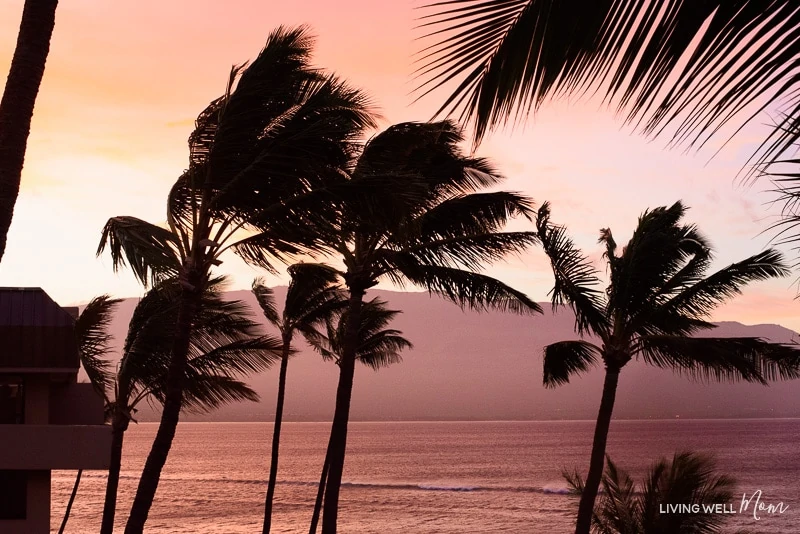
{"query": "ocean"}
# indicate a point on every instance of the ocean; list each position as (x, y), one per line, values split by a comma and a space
(427, 477)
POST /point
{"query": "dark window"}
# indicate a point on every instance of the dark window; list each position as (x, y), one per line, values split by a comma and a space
(12, 401)
(13, 494)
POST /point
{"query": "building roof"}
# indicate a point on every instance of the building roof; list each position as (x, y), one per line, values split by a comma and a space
(35, 332)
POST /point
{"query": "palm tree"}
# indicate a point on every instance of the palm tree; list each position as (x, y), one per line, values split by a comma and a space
(692, 66)
(93, 342)
(264, 161)
(378, 347)
(420, 217)
(225, 345)
(19, 97)
(688, 478)
(311, 298)
(657, 297)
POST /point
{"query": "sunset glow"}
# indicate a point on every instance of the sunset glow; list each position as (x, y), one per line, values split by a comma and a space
(124, 82)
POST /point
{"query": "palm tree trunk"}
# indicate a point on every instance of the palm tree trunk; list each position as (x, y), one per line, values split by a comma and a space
(118, 428)
(148, 483)
(19, 97)
(71, 500)
(320, 492)
(592, 485)
(276, 435)
(338, 440)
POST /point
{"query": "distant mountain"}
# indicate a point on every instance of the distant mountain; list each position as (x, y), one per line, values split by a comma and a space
(471, 366)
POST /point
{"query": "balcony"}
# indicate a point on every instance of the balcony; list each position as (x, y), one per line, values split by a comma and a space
(55, 446)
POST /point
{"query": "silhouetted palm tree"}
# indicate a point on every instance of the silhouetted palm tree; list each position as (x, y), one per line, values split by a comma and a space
(225, 345)
(93, 342)
(19, 97)
(690, 478)
(312, 297)
(419, 217)
(378, 347)
(263, 159)
(691, 65)
(657, 297)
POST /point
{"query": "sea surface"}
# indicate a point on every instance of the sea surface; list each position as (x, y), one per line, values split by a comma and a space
(426, 477)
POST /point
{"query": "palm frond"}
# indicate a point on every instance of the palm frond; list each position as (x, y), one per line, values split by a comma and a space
(378, 346)
(204, 393)
(722, 359)
(617, 511)
(689, 476)
(476, 213)
(471, 251)
(149, 250)
(695, 66)
(576, 280)
(465, 288)
(313, 294)
(93, 341)
(701, 298)
(564, 359)
(266, 300)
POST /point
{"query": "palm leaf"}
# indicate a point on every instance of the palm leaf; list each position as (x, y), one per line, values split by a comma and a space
(565, 359)
(722, 359)
(693, 65)
(701, 298)
(151, 252)
(576, 279)
(266, 300)
(465, 288)
(94, 339)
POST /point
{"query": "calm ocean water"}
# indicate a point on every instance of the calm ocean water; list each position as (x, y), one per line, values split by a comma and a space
(426, 477)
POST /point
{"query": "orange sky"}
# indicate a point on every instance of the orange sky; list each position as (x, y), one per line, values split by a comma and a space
(125, 80)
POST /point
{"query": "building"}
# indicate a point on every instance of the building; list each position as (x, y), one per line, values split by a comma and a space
(47, 419)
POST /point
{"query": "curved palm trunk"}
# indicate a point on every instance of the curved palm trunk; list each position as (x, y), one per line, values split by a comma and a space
(148, 483)
(320, 493)
(19, 97)
(118, 427)
(592, 485)
(71, 501)
(276, 435)
(338, 440)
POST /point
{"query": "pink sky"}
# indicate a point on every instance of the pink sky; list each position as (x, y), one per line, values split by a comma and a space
(125, 80)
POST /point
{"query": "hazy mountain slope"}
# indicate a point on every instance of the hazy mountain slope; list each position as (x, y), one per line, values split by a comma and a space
(488, 366)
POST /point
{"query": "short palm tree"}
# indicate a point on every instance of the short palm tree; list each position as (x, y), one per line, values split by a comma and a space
(19, 97)
(690, 478)
(312, 297)
(657, 297)
(263, 159)
(378, 346)
(422, 217)
(93, 341)
(225, 345)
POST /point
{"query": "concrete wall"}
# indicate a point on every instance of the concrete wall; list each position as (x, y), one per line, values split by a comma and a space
(75, 404)
(38, 507)
(37, 399)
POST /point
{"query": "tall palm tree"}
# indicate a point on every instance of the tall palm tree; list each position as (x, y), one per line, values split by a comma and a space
(420, 216)
(378, 347)
(93, 341)
(263, 160)
(658, 295)
(679, 65)
(312, 297)
(225, 345)
(19, 97)
(622, 508)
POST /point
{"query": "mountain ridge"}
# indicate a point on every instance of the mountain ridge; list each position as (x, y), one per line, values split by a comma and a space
(470, 366)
